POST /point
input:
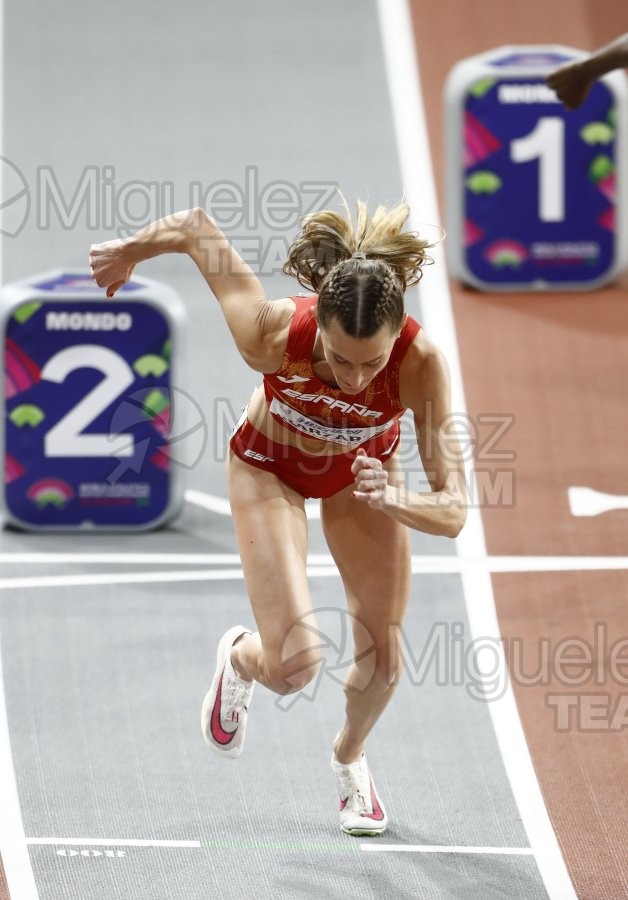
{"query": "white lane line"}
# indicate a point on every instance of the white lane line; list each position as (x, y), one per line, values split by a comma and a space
(131, 559)
(436, 564)
(416, 168)
(167, 559)
(48, 581)
(13, 849)
(45, 581)
(584, 501)
(211, 502)
(427, 848)
(106, 842)
(469, 569)
(497, 564)
(222, 507)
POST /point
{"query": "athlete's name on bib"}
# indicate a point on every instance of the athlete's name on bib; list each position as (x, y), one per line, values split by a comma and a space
(349, 437)
(333, 403)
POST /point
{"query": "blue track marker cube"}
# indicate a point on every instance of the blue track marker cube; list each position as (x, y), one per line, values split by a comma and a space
(536, 193)
(88, 412)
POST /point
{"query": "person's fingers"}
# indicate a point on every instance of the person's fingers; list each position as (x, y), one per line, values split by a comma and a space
(113, 288)
(361, 463)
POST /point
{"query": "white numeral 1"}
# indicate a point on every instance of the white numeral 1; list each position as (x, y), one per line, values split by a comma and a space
(546, 143)
(65, 439)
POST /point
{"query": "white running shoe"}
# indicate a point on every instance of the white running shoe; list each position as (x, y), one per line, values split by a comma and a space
(361, 810)
(226, 703)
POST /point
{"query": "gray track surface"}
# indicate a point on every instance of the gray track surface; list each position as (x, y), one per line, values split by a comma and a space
(104, 683)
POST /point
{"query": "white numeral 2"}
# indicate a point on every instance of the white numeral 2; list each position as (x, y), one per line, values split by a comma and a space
(65, 439)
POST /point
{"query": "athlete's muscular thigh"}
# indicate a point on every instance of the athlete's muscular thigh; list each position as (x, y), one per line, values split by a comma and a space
(271, 529)
(372, 553)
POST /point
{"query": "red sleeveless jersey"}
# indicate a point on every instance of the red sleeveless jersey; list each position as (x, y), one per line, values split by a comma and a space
(301, 402)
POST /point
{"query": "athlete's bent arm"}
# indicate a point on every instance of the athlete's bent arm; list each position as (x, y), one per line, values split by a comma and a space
(252, 319)
(444, 510)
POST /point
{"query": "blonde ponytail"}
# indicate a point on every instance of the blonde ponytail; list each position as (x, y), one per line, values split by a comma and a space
(360, 270)
(327, 239)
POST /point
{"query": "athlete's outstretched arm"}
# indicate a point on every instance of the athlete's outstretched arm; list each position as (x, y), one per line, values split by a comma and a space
(573, 80)
(444, 510)
(250, 316)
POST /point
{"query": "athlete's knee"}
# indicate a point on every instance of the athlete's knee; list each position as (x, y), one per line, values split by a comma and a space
(380, 669)
(292, 677)
(289, 664)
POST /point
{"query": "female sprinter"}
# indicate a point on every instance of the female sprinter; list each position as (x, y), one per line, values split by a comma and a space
(339, 368)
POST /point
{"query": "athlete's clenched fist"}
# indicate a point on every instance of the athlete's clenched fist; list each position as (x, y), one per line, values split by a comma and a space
(371, 480)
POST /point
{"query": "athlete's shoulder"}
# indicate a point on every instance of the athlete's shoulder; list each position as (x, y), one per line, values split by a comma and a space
(286, 321)
(424, 356)
(274, 321)
(283, 309)
(303, 323)
(424, 371)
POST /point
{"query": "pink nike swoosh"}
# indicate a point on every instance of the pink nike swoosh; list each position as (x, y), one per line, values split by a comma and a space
(218, 732)
(378, 813)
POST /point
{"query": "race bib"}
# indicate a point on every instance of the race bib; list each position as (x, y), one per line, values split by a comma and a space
(348, 437)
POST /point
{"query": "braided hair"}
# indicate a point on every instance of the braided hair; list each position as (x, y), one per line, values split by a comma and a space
(360, 271)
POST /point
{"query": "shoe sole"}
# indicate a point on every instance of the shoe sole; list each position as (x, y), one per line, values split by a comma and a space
(362, 832)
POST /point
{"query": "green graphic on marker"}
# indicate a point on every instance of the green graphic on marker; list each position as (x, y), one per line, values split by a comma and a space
(27, 414)
(155, 403)
(25, 311)
(506, 260)
(484, 182)
(602, 174)
(597, 133)
(150, 364)
(481, 87)
(601, 167)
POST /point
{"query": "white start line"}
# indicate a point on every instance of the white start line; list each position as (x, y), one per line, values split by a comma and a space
(68, 847)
